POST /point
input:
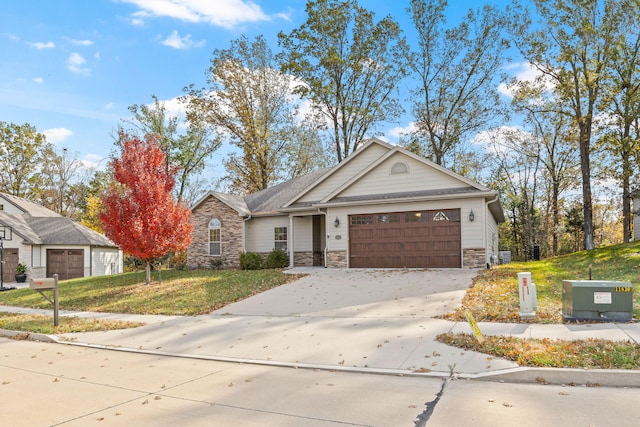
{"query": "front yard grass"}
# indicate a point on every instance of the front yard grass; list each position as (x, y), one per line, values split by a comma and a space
(172, 292)
(586, 354)
(494, 295)
(494, 298)
(41, 324)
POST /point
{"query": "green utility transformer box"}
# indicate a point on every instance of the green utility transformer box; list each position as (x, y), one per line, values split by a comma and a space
(604, 300)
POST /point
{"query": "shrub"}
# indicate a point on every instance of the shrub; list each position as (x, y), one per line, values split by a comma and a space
(177, 260)
(251, 261)
(277, 258)
(216, 263)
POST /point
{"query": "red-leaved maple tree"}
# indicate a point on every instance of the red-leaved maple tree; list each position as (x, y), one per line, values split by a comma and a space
(139, 212)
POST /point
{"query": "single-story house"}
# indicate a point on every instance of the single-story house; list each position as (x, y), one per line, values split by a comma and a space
(49, 243)
(382, 207)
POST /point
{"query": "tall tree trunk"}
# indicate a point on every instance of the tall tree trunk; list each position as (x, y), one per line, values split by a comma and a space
(626, 198)
(556, 218)
(585, 168)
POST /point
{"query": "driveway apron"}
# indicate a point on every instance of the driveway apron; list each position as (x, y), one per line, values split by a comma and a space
(368, 320)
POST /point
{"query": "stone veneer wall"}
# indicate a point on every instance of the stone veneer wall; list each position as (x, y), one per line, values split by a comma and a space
(474, 258)
(303, 259)
(230, 234)
(337, 259)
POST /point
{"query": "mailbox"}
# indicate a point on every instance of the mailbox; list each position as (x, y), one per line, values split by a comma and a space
(43, 283)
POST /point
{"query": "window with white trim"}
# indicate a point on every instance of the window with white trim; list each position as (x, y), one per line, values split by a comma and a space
(215, 242)
(280, 238)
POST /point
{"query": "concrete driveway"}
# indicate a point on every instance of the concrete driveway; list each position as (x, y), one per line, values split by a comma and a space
(358, 320)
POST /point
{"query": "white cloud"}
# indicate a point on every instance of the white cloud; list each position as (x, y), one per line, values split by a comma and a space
(109, 105)
(76, 63)
(523, 72)
(80, 42)
(174, 106)
(56, 135)
(177, 42)
(96, 55)
(221, 13)
(399, 132)
(41, 45)
(94, 161)
(38, 80)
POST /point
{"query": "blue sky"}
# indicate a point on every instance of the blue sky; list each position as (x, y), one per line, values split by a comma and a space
(72, 67)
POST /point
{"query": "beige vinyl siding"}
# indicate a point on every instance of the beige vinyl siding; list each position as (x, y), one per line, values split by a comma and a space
(260, 232)
(419, 177)
(9, 208)
(302, 234)
(105, 261)
(345, 173)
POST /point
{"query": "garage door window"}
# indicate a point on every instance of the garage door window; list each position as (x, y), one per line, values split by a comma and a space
(416, 216)
(361, 219)
(388, 218)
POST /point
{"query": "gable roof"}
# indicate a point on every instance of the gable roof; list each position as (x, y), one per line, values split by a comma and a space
(267, 201)
(27, 207)
(38, 225)
(339, 186)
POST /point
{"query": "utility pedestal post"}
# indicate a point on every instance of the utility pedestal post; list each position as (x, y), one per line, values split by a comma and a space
(527, 294)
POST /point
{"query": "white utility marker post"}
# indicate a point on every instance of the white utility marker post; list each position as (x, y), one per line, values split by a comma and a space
(527, 294)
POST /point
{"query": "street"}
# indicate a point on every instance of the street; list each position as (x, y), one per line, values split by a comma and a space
(45, 384)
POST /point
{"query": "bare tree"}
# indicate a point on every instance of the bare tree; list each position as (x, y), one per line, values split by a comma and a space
(350, 67)
(457, 69)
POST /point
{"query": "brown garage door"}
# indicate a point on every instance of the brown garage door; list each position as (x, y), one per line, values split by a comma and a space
(67, 263)
(419, 239)
(9, 266)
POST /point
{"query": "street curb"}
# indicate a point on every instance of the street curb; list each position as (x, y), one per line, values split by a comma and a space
(31, 336)
(543, 376)
(566, 376)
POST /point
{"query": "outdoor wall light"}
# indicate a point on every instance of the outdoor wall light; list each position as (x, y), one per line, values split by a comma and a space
(336, 223)
(471, 216)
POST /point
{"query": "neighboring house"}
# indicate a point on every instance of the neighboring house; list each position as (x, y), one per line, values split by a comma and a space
(382, 207)
(49, 243)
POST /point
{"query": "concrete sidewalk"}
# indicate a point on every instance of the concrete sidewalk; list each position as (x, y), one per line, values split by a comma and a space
(375, 321)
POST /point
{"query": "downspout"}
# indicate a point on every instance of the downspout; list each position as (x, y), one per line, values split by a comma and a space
(324, 250)
(244, 233)
(486, 213)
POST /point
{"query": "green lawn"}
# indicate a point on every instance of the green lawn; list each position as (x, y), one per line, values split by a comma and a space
(173, 292)
(494, 296)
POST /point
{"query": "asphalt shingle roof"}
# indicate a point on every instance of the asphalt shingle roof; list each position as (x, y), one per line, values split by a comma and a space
(38, 225)
(272, 199)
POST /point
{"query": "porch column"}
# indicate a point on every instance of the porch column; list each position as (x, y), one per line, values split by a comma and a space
(290, 240)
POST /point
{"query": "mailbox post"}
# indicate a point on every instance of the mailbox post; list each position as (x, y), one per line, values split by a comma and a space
(47, 284)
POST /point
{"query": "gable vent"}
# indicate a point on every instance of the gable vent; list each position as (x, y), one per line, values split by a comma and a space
(399, 168)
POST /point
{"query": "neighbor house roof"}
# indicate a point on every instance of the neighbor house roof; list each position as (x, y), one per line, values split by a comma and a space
(37, 225)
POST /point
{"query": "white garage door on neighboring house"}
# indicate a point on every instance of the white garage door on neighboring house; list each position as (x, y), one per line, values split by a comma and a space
(66, 263)
(417, 239)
